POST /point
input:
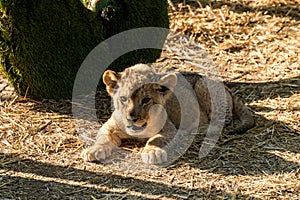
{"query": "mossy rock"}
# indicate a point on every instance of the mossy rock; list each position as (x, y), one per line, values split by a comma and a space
(43, 43)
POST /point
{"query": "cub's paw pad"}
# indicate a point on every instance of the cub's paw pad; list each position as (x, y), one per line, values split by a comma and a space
(154, 155)
(96, 152)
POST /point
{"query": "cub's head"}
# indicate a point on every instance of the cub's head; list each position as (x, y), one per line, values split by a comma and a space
(139, 95)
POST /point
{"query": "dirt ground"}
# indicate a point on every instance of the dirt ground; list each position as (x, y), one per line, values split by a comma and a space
(255, 46)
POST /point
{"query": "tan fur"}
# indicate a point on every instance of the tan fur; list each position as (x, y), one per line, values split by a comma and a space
(146, 107)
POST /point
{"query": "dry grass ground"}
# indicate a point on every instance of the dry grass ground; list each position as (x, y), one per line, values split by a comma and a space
(256, 47)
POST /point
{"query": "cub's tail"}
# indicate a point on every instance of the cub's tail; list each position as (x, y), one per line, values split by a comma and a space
(243, 114)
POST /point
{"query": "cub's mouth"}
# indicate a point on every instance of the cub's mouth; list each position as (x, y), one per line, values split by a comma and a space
(135, 128)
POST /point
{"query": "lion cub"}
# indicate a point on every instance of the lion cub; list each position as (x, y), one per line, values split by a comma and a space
(146, 107)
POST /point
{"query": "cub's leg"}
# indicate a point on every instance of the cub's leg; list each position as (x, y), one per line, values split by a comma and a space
(153, 152)
(107, 138)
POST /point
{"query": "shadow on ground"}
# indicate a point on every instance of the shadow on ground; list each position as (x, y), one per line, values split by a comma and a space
(28, 179)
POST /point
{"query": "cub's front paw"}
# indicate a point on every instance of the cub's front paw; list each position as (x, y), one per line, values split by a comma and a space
(154, 155)
(97, 152)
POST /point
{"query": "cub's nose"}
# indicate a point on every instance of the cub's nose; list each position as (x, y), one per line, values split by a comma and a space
(132, 118)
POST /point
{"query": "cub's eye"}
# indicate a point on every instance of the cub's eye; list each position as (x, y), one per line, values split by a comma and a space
(146, 101)
(123, 99)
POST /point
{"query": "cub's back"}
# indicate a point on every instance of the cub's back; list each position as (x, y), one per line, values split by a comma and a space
(197, 90)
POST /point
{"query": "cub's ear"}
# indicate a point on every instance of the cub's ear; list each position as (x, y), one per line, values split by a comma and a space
(110, 79)
(167, 83)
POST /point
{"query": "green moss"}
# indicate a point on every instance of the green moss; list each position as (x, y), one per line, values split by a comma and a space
(43, 43)
(47, 42)
(122, 15)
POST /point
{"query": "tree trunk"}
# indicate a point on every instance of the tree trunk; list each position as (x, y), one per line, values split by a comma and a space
(43, 43)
